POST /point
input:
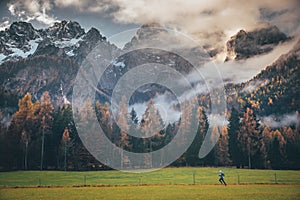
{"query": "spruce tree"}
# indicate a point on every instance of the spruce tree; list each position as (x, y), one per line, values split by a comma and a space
(233, 130)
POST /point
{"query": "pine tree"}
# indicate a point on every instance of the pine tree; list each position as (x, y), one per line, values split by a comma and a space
(136, 143)
(292, 146)
(3, 143)
(133, 116)
(198, 119)
(277, 150)
(233, 130)
(62, 119)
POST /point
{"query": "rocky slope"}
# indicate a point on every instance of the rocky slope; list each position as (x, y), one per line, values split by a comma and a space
(48, 59)
(244, 44)
(65, 38)
(275, 90)
(43, 60)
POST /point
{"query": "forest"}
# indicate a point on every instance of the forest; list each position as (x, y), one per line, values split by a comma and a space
(41, 136)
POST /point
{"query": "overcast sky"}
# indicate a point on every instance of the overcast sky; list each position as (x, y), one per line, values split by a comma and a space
(211, 21)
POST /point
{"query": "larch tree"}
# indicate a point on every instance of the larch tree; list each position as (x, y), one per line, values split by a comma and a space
(185, 125)
(122, 120)
(22, 122)
(151, 127)
(199, 122)
(89, 135)
(266, 134)
(250, 139)
(215, 134)
(25, 139)
(46, 120)
(66, 144)
(223, 148)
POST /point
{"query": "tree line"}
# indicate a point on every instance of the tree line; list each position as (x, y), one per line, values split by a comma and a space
(43, 137)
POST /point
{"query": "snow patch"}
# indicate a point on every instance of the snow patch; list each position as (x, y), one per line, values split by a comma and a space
(33, 44)
(2, 57)
(70, 53)
(66, 101)
(119, 64)
(67, 43)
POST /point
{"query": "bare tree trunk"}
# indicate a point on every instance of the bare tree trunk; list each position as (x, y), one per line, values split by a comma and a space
(122, 157)
(65, 156)
(42, 150)
(151, 154)
(249, 158)
(26, 153)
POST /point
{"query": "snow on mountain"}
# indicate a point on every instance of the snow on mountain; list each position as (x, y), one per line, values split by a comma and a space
(21, 40)
(17, 53)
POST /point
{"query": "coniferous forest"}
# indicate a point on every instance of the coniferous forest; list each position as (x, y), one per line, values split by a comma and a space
(43, 137)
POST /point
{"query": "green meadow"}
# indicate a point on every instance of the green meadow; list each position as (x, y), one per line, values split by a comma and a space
(168, 183)
(157, 192)
(166, 176)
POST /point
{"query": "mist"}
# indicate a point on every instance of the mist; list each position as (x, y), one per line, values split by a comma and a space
(279, 121)
(163, 104)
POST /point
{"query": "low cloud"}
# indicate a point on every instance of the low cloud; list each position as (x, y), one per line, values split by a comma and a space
(29, 10)
(163, 104)
(284, 120)
(210, 23)
(253, 85)
(218, 120)
(92, 6)
(4, 24)
(243, 70)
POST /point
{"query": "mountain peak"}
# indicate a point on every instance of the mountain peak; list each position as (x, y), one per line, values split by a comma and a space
(94, 33)
(64, 38)
(66, 29)
(20, 27)
(247, 44)
(146, 33)
(19, 32)
(151, 25)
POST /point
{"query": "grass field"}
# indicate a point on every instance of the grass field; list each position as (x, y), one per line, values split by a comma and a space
(158, 192)
(168, 183)
(164, 176)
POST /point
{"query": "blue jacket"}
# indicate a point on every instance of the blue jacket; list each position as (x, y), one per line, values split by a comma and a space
(221, 174)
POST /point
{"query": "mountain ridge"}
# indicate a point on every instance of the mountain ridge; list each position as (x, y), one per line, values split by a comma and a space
(246, 44)
(63, 49)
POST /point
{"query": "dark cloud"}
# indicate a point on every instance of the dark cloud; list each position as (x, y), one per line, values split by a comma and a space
(211, 23)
